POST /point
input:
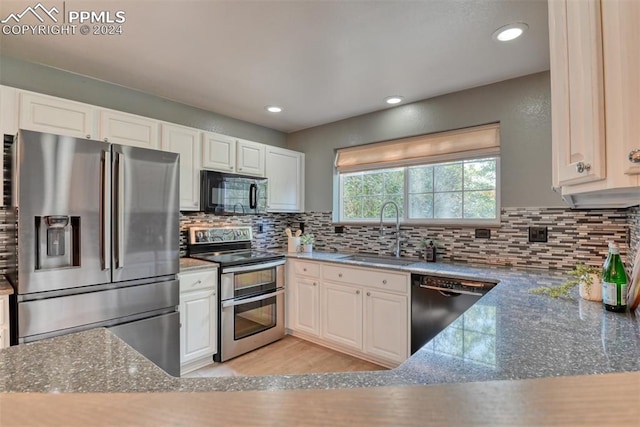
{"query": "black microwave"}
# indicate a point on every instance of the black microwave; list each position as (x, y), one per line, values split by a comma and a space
(229, 194)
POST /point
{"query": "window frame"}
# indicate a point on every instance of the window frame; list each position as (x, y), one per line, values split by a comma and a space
(338, 193)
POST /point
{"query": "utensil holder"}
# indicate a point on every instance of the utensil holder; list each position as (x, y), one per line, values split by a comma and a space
(293, 244)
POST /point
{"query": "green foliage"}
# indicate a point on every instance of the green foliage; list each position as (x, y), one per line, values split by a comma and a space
(307, 239)
(580, 273)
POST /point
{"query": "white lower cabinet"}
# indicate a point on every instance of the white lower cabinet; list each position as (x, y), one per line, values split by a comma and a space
(385, 325)
(305, 296)
(360, 311)
(4, 321)
(341, 308)
(198, 319)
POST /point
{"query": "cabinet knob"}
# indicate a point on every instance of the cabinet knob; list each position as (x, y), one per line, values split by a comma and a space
(634, 156)
(339, 274)
(88, 136)
(582, 167)
(231, 167)
(384, 282)
(357, 292)
(304, 269)
(239, 169)
(368, 294)
(106, 140)
(314, 283)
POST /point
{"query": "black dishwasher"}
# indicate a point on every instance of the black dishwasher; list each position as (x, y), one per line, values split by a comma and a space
(437, 301)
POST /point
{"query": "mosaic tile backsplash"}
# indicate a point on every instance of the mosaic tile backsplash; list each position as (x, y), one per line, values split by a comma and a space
(573, 235)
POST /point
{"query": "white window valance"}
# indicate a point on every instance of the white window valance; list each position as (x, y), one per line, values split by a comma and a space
(474, 142)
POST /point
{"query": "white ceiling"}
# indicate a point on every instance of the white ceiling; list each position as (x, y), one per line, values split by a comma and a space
(321, 61)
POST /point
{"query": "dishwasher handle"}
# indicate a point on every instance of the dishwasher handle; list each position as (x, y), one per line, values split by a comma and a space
(450, 292)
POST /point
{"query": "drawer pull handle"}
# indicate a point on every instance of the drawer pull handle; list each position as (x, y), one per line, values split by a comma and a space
(197, 283)
(384, 282)
(582, 167)
(634, 156)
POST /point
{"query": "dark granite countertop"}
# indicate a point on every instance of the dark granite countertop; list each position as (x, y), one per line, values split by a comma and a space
(508, 334)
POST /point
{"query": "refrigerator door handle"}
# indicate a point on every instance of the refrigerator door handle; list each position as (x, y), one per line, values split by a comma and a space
(119, 234)
(105, 258)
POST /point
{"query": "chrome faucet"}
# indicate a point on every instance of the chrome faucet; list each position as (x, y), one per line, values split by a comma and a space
(398, 239)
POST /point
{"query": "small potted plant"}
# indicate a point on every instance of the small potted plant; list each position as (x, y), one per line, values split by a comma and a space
(306, 240)
(585, 276)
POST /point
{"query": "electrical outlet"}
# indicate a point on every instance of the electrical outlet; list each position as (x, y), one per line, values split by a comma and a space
(538, 234)
(483, 233)
(260, 228)
(338, 229)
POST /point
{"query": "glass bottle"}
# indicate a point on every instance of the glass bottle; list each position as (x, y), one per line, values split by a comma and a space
(614, 281)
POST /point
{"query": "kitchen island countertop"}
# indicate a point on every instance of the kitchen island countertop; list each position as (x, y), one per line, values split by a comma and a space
(508, 334)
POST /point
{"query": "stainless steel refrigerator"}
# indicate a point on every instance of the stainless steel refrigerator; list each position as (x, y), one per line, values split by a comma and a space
(97, 242)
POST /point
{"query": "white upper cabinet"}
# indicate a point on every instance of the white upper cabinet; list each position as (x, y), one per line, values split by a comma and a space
(186, 142)
(232, 155)
(285, 170)
(218, 152)
(48, 114)
(128, 129)
(250, 158)
(8, 111)
(595, 96)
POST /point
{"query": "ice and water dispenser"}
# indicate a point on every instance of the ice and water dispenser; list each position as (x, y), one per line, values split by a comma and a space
(57, 241)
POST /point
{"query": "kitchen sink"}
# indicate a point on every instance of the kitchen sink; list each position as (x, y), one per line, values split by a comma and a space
(376, 259)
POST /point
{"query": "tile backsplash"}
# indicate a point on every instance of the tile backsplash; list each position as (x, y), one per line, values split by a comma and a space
(573, 235)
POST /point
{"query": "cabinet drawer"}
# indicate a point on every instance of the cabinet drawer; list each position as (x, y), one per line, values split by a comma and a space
(304, 268)
(371, 278)
(198, 280)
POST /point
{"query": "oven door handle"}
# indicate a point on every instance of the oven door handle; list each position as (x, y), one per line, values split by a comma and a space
(252, 267)
(234, 302)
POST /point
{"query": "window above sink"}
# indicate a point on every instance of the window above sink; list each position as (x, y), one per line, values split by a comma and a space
(454, 179)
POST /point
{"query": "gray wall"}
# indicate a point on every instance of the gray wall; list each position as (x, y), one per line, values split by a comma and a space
(51, 81)
(522, 106)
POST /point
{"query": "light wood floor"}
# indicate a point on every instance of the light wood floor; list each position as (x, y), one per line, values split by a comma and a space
(290, 355)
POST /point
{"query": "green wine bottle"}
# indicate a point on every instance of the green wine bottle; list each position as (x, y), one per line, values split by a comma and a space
(614, 281)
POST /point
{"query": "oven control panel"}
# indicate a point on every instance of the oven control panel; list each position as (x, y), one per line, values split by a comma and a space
(199, 235)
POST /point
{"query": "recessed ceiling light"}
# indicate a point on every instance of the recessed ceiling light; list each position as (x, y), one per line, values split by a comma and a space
(273, 108)
(510, 32)
(395, 99)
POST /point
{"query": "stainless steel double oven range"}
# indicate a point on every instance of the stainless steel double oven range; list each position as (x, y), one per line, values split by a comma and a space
(251, 288)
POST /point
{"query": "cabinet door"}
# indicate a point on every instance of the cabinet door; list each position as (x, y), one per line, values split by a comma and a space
(250, 158)
(386, 325)
(4, 338)
(8, 111)
(621, 37)
(577, 91)
(342, 314)
(128, 129)
(186, 142)
(285, 170)
(43, 113)
(306, 305)
(218, 152)
(198, 320)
